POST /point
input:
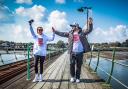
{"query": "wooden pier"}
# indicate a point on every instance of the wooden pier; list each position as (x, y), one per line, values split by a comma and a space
(56, 76)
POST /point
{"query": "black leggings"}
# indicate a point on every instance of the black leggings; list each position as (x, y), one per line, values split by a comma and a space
(36, 58)
(76, 61)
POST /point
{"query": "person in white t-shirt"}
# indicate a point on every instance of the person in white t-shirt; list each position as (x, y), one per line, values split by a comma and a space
(39, 49)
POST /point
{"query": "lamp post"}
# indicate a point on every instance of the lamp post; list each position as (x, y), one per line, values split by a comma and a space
(82, 10)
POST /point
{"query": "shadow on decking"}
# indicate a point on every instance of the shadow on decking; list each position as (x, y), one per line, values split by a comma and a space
(82, 80)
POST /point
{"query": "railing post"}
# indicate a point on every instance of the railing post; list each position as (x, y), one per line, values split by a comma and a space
(49, 54)
(90, 59)
(1, 59)
(7, 50)
(91, 55)
(110, 76)
(28, 62)
(15, 54)
(97, 60)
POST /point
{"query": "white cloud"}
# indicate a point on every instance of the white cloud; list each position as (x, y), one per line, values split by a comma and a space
(6, 14)
(24, 1)
(119, 33)
(19, 31)
(36, 12)
(78, 0)
(14, 32)
(60, 1)
(58, 20)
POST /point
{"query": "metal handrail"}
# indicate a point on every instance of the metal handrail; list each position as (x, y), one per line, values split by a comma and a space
(114, 61)
(111, 76)
(112, 68)
(118, 63)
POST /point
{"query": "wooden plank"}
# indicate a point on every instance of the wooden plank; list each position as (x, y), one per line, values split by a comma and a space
(45, 75)
(58, 78)
(22, 82)
(81, 85)
(85, 81)
(48, 84)
(88, 75)
(11, 81)
(48, 73)
(18, 79)
(65, 79)
(31, 84)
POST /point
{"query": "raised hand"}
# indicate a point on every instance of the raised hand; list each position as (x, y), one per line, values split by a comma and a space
(90, 21)
(31, 21)
(53, 29)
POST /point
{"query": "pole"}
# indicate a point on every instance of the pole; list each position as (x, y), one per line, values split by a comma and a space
(28, 62)
(87, 18)
(113, 58)
(97, 60)
(49, 54)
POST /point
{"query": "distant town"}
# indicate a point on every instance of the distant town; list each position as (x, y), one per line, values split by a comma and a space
(61, 44)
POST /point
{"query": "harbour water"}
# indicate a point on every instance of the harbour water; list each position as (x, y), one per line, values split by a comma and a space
(14, 57)
(120, 72)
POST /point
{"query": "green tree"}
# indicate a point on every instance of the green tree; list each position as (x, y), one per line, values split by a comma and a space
(60, 44)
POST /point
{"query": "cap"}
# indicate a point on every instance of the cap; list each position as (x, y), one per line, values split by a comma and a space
(75, 25)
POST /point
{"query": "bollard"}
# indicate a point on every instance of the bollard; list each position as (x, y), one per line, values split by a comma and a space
(97, 60)
(1, 59)
(28, 62)
(113, 58)
(15, 55)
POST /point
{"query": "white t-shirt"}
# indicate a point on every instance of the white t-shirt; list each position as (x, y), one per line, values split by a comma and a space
(77, 45)
(40, 41)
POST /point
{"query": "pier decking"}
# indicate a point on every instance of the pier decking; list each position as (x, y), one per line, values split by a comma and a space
(56, 76)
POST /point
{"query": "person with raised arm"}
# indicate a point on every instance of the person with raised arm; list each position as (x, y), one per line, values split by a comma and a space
(78, 44)
(39, 49)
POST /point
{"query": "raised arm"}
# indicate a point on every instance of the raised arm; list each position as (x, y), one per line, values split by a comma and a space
(31, 29)
(63, 34)
(90, 27)
(51, 38)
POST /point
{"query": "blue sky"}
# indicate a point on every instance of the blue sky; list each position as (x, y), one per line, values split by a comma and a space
(104, 10)
(110, 17)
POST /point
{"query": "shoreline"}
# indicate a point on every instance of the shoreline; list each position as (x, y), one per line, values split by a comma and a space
(119, 55)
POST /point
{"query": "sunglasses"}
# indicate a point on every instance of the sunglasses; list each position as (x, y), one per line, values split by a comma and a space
(40, 29)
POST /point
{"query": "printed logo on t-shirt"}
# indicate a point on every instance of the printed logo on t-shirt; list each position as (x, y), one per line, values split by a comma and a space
(40, 41)
(76, 37)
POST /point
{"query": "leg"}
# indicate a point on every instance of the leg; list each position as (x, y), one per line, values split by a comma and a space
(42, 58)
(72, 65)
(36, 58)
(79, 62)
